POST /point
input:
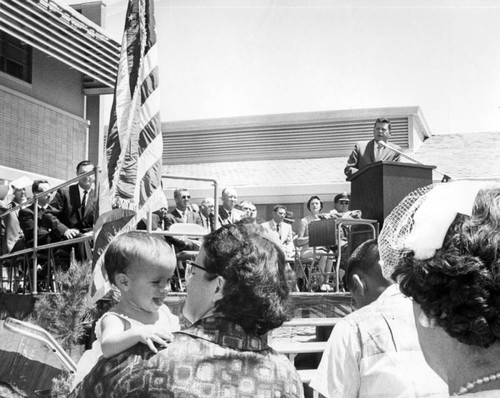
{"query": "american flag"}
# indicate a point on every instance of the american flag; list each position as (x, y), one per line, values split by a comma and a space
(130, 185)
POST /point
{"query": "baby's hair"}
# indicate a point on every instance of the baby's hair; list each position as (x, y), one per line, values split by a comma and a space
(131, 248)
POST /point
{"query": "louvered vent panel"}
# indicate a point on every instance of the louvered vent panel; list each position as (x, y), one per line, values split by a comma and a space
(219, 143)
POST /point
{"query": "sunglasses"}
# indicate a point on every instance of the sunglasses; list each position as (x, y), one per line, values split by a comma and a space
(186, 197)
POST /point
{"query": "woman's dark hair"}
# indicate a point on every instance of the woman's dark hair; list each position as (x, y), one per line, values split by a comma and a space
(254, 268)
(460, 285)
(311, 199)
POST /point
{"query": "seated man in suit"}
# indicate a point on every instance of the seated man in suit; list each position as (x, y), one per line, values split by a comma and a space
(74, 205)
(228, 214)
(46, 231)
(182, 214)
(282, 229)
(249, 210)
(341, 207)
(367, 152)
(13, 236)
(207, 214)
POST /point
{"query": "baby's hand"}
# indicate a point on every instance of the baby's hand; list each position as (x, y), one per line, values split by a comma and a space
(150, 334)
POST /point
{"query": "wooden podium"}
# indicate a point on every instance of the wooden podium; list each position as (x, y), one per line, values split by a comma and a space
(379, 187)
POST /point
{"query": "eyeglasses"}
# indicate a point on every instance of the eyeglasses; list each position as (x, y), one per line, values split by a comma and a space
(189, 269)
(186, 197)
(343, 202)
(190, 265)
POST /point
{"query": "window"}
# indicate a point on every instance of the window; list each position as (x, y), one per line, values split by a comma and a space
(15, 57)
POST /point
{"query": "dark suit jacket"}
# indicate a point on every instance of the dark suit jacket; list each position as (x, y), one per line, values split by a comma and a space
(224, 218)
(363, 155)
(27, 222)
(12, 234)
(173, 218)
(67, 204)
(208, 223)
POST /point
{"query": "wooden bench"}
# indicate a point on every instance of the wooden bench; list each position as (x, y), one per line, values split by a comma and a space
(322, 325)
(291, 350)
(318, 322)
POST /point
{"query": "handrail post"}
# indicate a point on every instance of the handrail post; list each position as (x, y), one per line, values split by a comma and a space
(216, 206)
(35, 248)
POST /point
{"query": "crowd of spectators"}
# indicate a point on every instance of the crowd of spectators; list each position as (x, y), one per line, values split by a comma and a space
(426, 295)
(71, 213)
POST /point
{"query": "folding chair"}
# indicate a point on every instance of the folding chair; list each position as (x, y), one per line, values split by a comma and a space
(40, 334)
(302, 268)
(192, 231)
(322, 234)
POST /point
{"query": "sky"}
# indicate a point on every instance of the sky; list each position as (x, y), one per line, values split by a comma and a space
(223, 58)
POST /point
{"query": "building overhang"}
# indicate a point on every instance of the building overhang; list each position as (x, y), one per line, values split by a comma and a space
(59, 31)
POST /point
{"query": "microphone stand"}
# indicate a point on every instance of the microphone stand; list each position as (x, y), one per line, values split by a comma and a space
(445, 178)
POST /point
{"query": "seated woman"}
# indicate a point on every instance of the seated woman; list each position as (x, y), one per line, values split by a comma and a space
(446, 244)
(314, 205)
(237, 291)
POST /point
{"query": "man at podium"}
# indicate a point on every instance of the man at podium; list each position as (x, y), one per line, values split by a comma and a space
(367, 152)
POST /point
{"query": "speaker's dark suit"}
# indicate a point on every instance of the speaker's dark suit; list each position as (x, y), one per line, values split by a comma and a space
(364, 154)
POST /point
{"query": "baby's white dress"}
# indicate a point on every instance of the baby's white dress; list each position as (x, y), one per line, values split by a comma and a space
(167, 322)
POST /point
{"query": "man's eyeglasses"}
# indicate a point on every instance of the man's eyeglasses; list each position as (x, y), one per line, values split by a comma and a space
(186, 197)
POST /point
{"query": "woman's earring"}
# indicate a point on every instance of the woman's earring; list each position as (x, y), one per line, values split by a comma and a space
(425, 321)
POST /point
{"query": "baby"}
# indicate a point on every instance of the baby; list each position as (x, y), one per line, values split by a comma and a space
(140, 266)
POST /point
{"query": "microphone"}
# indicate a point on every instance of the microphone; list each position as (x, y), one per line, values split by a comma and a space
(383, 144)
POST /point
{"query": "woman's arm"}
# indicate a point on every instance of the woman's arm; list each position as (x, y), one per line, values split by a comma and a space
(303, 238)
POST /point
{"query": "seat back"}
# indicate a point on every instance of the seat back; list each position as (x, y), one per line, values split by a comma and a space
(188, 229)
(322, 233)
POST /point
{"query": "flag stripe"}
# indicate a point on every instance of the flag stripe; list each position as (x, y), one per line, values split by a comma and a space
(131, 183)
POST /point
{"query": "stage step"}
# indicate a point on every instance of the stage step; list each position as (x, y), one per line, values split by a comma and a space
(291, 350)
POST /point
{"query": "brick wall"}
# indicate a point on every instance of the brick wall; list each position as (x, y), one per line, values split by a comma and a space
(40, 138)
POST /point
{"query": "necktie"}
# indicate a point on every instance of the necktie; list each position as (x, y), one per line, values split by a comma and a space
(211, 221)
(84, 200)
(379, 152)
(278, 230)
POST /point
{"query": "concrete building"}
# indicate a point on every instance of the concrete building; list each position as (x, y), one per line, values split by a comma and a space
(55, 62)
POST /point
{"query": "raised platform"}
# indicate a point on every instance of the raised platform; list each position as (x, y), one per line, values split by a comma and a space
(304, 305)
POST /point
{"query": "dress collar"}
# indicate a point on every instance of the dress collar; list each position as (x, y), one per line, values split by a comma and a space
(224, 332)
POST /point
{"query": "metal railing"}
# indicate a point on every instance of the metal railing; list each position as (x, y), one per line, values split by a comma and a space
(36, 248)
(216, 205)
(40, 334)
